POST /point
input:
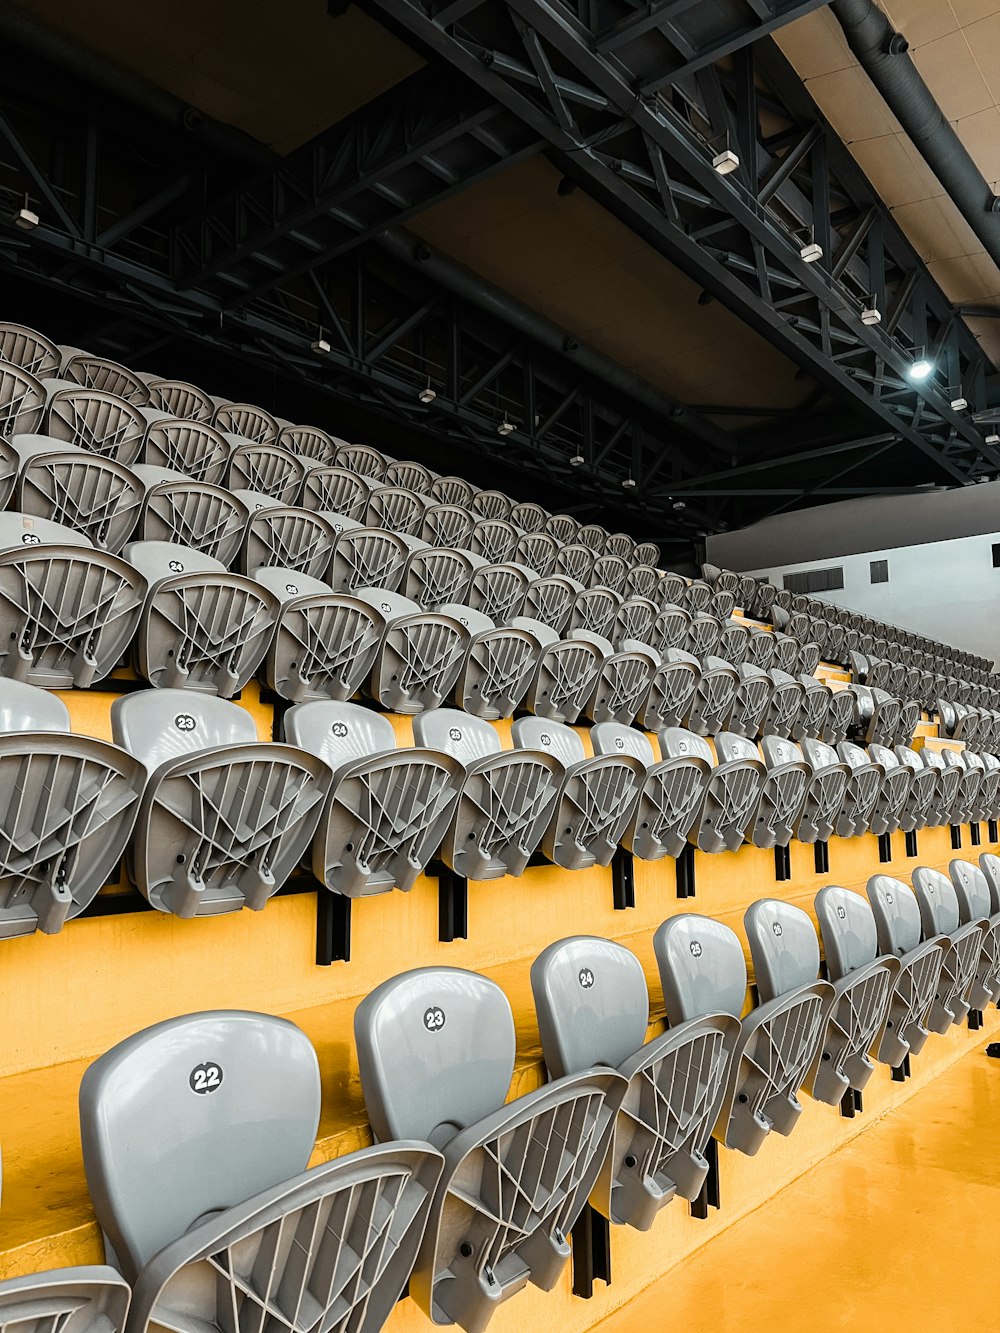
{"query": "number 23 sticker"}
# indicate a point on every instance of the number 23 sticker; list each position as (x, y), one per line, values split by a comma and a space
(206, 1077)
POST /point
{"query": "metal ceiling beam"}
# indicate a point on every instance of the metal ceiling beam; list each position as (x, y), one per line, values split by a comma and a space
(649, 160)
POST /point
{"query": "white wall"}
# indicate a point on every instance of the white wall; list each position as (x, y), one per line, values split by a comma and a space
(947, 590)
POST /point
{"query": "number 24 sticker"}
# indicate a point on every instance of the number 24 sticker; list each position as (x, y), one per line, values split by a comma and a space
(206, 1077)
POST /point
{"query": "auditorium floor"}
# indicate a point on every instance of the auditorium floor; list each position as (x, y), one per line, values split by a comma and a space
(896, 1231)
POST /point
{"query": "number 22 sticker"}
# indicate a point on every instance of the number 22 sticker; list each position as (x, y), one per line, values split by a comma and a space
(206, 1077)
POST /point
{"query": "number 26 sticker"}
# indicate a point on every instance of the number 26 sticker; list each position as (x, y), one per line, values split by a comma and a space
(206, 1077)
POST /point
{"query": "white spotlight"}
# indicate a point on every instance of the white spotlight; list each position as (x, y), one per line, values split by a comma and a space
(959, 404)
(506, 427)
(811, 252)
(427, 395)
(679, 504)
(870, 314)
(920, 369)
(25, 219)
(725, 162)
(993, 438)
(320, 346)
(629, 484)
(577, 460)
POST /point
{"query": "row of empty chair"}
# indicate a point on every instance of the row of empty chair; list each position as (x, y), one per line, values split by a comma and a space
(212, 819)
(465, 1196)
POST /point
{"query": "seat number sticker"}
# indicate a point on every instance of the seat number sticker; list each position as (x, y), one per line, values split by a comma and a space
(206, 1078)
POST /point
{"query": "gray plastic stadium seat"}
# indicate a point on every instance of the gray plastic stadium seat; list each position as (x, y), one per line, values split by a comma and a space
(95, 421)
(190, 1225)
(841, 716)
(246, 422)
(202, 628)
(826, 791)
(642, 581)
(594, 610)
(491, 504)
(498, 666)
(608, 571)
(96, 372)
(10, 463)
(516, 1176)
(621, 544)
(433, 575)
(29, 349)
(786, 652)
(782, 794)
(193, 448)
(193, 513)
(713, 698)
(396, 509)
(672, 627)
(563, 527)
(593, 536)
(537, 550)
(179, 399)
(647, 553)
(732, 793)
(495, 539)
(940, 919)
(266, 469)
(635, 618)
(897, 921)
(863, 787)
(337, 490)
(917, 810)
(733, 642)
(308, 442)
(497, 590)
(86, 1299)
(813, 708)
(529, 517)
(863, 981)
(446, 525)
(452, 491)
(410, 475)
(387, 809)
(751, 702)
(324, 644)
(703, 634)
(760, 648)
(95, 495)
(970, 781)
(597, 795)
(507, 795)
(623, 680)
(366, 558)
(421, 654)
(976, 904)
(551, 600)
(69, 806)
(67, 614)
(224, 818)
(671, 789)
(22, 401)
(703, 972)
(564, 677)
(284, 535)
(894, 791)
(989, 790)
(785, 709)
(593, 1009)
(671, 690)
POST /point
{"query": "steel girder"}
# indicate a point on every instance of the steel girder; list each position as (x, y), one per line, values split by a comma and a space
(641, 136)
(120, 244)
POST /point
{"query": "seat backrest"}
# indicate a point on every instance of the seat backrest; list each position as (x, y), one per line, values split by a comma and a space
(31, 530)
(192, 1116)
(289, 583)
(679, 743)
(157, 725)
(26, 707)
(615, 738)
(392, 605)
(436, 1053)
(702, 967)
(464, 737)
(938, 902)
(897, 914)
(989, 864)
(971, 890)
(847, 925)
(555, 738)
(592, 1004)
(338, 732)
(783, 946)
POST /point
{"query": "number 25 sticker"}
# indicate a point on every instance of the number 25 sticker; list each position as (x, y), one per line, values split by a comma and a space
(206, 1077)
